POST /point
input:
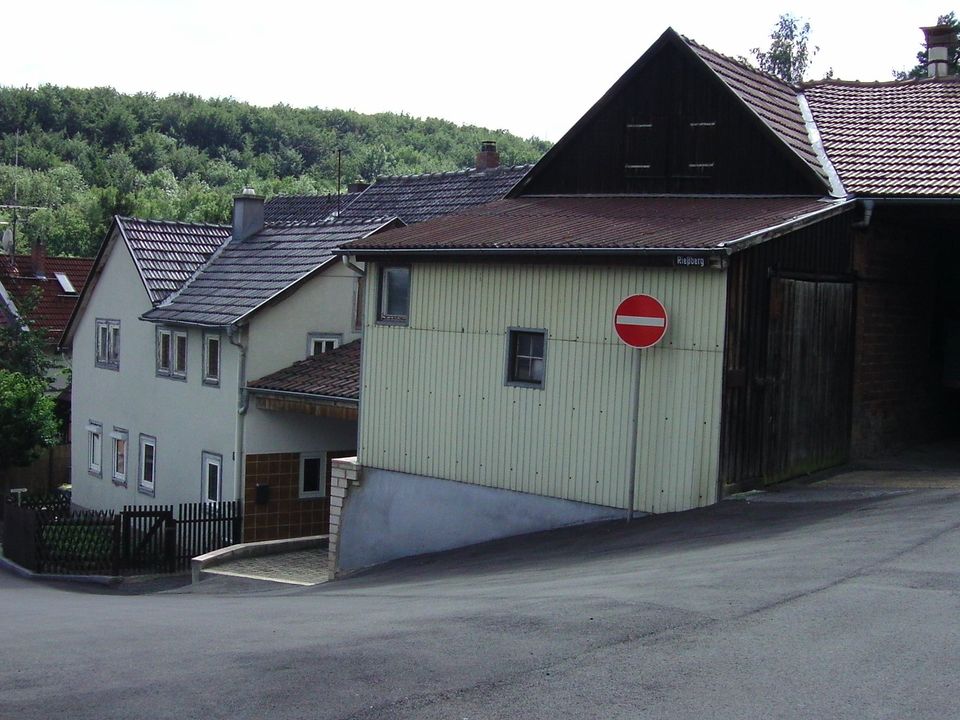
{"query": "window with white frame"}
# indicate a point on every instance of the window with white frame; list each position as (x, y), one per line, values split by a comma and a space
(147, 471)
(394, 304)
(108, 344)
(179, 369)
(164, 350)
(313, 475)
(95, 448)
(212, 466)
(320, 343)
(121, 451)
(526, 357)
(211, 359)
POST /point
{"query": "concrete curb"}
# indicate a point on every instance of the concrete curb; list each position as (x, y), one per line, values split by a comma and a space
(12, 567)
(253, 549)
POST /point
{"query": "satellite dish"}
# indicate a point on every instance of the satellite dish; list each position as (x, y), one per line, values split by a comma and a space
(6, 244)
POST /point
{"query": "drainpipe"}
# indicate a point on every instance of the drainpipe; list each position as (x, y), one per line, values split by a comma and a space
(243, 399)
(868, 206)
(349, 262)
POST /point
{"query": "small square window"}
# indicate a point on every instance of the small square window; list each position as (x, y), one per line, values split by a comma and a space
(320, 343)
(108, 344)
(148, 464)
(394, 305)
(120, 438)
(212, 465)
(211, 359)
(526, 357)
(95, 448)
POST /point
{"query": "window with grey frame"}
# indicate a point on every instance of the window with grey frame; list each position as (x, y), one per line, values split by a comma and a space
(107, 353)
(526, 357)
(211, 359)
(394, 295)
(95, 448)
(147, 470)
(121, 455)
(212, 476)
(172, 353)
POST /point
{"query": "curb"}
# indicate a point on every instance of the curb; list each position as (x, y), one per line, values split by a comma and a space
(12, 567)
(253, 549)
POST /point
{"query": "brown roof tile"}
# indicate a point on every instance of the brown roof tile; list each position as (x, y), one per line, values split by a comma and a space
(55, 304)
(335, 374)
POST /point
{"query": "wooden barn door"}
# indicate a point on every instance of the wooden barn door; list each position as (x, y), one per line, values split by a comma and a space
(809, 377)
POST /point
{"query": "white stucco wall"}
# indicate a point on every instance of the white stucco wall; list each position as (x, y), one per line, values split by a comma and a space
(185, 416)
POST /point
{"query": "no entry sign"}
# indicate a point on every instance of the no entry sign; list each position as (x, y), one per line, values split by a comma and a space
(640, 321)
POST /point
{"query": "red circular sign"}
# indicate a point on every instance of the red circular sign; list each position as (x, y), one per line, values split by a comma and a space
(640, 321)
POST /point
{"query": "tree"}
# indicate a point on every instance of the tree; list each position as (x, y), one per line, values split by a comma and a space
(789, 55)
(27, 419)
(23, 348)
(920, 69)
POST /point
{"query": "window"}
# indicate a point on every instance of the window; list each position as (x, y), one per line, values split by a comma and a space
(313, 475)
(164, 350)
(179, 355)
(120, 455)
(172, 353)
(108, 344)
(211, 467)
(95, 448)
(319, 343)
(394, 306)
(211, 359)
(148, 464)
(525, 357)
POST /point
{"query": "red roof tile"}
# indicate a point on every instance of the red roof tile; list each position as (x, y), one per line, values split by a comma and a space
(603, 223)
(55, 304)
(896, 138)
(334, 374)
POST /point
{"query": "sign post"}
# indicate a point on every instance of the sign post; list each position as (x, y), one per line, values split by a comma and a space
(640, 322)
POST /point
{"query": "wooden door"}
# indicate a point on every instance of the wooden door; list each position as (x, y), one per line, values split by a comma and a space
(809, 377)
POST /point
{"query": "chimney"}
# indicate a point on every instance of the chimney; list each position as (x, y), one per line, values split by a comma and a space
(941, 45)
(38, 258)
(247, 214)
(356, 187)
(488, 158)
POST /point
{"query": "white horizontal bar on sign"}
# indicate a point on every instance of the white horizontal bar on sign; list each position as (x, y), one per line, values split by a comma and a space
(644, 321)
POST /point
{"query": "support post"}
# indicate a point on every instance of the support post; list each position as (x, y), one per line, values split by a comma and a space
(632, 480)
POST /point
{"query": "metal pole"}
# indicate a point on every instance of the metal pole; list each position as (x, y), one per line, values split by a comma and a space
(631, 492)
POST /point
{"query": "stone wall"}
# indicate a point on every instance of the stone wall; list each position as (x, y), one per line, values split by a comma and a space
(344, 476)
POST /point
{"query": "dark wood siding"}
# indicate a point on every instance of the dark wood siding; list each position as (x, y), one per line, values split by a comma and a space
(675, 129)
(819, 252)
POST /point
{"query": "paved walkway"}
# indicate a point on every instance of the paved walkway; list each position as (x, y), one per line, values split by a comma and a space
(303, 567)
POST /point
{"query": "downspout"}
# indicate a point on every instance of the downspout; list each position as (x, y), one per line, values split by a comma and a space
(243, 399)
(868, 206)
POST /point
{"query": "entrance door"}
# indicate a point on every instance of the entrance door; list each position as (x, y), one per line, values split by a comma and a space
(809, 377)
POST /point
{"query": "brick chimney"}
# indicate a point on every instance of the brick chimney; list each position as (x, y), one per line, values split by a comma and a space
(247, 214)
(941, 45)
(488, 158)
(38, 259)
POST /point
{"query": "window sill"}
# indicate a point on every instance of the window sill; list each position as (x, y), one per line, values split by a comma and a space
(313, 496)
(521, 384)
(107, 366)
(95, 473)
(119, 482)
(146, 491)
(393, 321)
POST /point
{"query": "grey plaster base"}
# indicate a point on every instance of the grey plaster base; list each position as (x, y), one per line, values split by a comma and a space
(393, 515)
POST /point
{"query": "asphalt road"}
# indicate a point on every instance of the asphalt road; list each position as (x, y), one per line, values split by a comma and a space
(817, 602)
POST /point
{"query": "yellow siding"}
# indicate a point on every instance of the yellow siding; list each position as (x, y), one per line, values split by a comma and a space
(435, 403)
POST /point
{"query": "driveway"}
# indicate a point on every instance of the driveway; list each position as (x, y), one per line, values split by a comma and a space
(839, 599)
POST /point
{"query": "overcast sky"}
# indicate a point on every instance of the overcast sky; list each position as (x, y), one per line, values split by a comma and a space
(528, 67)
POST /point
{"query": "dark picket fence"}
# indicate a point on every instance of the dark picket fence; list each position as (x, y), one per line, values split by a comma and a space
(47, 536)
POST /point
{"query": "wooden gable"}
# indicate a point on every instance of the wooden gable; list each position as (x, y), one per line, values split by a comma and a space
(670, 125)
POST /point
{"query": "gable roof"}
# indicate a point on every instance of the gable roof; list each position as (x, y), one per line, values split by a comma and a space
(603, 225)
(891, 138)
(416, 198)
(332, 375)
(168, 253)
(305, 208)
(246, 274)
(56, 304)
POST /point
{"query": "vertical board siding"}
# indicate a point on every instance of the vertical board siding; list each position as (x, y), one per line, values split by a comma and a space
(435, 403)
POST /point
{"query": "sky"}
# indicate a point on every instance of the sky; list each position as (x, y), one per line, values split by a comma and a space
(532, 68)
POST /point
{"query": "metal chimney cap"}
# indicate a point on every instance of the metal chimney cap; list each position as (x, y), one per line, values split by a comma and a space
(248, 191)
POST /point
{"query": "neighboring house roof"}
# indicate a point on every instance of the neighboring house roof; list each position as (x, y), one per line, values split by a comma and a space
(891, 138)
(246, 274)
(416, 198)
(604, 225)
(57, 299)
(334, 375)
(168, 253)
(305, 208)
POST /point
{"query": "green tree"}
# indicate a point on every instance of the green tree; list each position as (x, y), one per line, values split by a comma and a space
(789, 54)
(920, 69)
(23, 345)
(27, 419)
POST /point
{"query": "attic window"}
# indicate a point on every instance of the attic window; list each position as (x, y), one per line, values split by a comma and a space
(638, 144)
(65, 284)
(699, 148)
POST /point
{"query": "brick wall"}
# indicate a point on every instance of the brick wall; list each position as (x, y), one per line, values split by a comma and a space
(286, 515)
(344, 475)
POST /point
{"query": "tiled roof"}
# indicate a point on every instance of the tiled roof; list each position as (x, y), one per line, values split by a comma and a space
(604, 223)
(245, 274)
(416, 198)
(773, 100)
(334, 374)
(55, 305)
(169, 253)
(305, 208)
(894, 138)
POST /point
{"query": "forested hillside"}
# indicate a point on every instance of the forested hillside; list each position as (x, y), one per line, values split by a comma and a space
(86, 155)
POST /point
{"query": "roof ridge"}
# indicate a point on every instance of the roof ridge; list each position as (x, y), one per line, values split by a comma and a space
(461, 171)
(745, 65)
(182, 223)
(812, 84)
